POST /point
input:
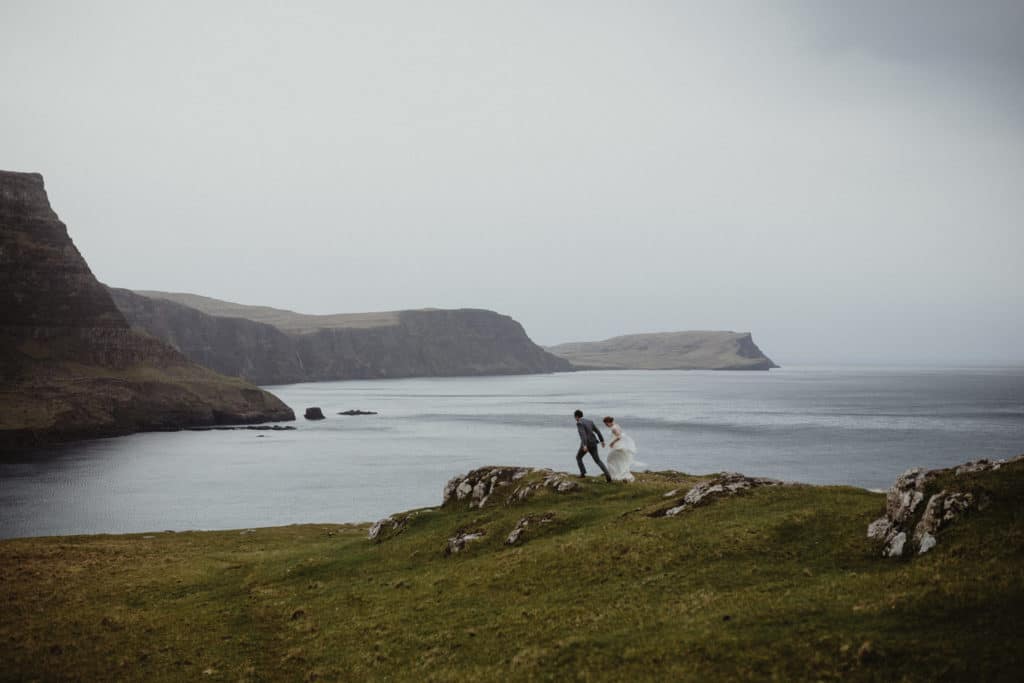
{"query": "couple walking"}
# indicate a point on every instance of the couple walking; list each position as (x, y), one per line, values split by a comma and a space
(620, 457)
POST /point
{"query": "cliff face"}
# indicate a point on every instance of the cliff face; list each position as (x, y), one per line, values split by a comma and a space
(304, 348)
(70, 365)
(235, 347)
(711, 350)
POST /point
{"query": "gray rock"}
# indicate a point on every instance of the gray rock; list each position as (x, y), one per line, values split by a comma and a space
(977, 466)
(879, 529)
(390, 526)
(378, 527)
(931, 520)
(520, 527)
(955, 505)
(478, 485)
(897, 527)
(457, 543)
(927, 543)
(725, 484)
(894, 548)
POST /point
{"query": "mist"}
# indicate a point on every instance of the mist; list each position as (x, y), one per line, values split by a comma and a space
(844, 182)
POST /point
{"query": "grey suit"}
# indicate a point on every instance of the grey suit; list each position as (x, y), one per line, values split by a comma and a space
(589, 434)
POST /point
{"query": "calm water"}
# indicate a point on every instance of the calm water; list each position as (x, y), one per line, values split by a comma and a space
(842, 426)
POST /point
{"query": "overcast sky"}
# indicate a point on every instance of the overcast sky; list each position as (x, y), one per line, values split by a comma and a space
(843, 179)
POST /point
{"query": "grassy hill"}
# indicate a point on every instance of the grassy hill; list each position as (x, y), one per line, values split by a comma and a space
(780, 582)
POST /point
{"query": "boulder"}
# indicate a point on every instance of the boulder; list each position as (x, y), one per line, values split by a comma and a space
(314, 413)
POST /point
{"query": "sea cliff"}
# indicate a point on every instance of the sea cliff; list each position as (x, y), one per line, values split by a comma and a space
(70, 364)
(273, 346)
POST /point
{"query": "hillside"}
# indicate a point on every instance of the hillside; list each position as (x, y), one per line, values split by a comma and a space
(272, 346)
(70, 364)
(697, 350)
(777, 582)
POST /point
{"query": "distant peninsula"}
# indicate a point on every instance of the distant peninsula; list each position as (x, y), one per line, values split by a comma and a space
(273, 346)
(696, 350)
(71, 366)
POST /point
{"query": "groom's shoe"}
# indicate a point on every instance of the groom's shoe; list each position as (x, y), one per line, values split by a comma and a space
(582, 476)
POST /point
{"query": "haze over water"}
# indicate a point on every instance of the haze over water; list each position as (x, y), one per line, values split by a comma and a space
(853, 426)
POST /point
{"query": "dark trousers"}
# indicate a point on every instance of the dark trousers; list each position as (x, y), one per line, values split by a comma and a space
(592, 449)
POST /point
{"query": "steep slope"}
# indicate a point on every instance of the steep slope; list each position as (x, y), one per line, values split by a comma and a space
(70, 365)
(273, 346)
(710, 350)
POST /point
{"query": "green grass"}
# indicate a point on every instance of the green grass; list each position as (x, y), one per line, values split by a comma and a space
(780, 583)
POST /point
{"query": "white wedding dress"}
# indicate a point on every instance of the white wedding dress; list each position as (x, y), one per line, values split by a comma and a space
(621, 455)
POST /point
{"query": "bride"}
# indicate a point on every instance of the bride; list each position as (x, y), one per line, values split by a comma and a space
(622, 452)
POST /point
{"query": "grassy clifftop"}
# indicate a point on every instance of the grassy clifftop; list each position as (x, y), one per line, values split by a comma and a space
(778, 582)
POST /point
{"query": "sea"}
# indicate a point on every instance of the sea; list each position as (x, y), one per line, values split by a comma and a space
(852, 426)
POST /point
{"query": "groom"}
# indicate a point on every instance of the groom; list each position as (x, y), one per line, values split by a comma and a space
(588, 442)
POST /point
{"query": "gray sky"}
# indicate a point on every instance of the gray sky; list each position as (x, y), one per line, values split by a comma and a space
(844, 179)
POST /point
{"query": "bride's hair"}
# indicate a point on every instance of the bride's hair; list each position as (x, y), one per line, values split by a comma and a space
(609, 418)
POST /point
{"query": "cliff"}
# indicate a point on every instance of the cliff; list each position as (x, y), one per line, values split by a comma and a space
(273, 346)
(70, 364)
(668, 351)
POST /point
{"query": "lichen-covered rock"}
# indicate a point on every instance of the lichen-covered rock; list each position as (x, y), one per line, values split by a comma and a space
(725, 484)
(879, 529)
(931, 519)
(956, 504)
(977, 466)
(387, 527)
(558, 481)
(898, 530)
(478, 485)
(457, 543)
(894, 546)
(523, 523)
(927, 543)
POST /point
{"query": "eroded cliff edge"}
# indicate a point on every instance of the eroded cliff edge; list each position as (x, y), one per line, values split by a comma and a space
(696, 350)
(70, 364)
(272, 346)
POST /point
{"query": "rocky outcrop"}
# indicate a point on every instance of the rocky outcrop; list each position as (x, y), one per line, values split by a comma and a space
(389, 526)
(478, 487)
(273, 346)
(314, 413)
(920, 503)
(711, 350)
(524, 523)
(457, 543)
(722, 485)
(70, 364)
